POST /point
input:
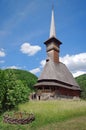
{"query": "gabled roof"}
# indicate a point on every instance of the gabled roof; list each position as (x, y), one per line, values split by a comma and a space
(57, 72)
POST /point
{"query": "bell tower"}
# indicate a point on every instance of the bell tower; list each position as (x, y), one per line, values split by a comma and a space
(55, 80)
(53, 44)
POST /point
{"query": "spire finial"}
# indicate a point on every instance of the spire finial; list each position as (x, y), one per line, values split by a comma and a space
(52, 27)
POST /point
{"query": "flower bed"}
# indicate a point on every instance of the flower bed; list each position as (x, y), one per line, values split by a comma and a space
(18, 118)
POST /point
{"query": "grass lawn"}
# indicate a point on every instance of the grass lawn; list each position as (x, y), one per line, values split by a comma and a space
(78, 123)
(52, 115)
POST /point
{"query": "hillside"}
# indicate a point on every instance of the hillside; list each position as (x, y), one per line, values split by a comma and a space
(25, 76)
(81, 80)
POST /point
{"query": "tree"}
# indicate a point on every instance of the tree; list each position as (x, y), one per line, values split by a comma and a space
(15, 91)
(15, 87)
(2, 90)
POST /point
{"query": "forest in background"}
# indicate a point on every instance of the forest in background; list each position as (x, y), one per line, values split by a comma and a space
(81, 80)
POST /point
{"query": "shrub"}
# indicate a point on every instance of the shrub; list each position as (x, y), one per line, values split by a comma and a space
(12, 91)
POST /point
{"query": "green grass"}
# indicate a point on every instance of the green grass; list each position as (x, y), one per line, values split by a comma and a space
(72, 124)
(52, 114)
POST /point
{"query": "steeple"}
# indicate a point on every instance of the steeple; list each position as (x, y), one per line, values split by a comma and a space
(53, 44)
(55, 81)
(52, 27)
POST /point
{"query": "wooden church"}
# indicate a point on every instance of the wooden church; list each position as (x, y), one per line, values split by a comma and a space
(55, 81)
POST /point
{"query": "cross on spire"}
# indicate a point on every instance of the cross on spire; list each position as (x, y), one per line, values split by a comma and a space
(52, 27)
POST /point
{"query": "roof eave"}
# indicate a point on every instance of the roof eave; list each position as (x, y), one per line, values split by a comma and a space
(53, 39)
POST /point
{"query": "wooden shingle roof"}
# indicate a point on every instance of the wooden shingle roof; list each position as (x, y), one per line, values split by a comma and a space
(56, 72)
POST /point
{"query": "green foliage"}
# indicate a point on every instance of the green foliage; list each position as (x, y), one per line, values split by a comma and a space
(14, 87)
(2, 90)
(26, 77)
(81, 80)
(48, 115)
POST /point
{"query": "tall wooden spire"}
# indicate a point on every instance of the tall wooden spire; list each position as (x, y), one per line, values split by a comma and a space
(52, 27)
(53, 44)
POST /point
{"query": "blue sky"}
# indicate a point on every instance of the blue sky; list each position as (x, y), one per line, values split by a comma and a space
(25, 25)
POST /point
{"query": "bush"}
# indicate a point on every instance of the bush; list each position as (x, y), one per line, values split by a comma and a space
(12, 91)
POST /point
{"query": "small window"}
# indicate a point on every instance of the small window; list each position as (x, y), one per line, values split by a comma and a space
(47, 60)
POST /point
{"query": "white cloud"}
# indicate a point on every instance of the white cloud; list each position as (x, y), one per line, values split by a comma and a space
(30, 50)
(42, 63)
(34, 71)
(2, 53)
(75, 63)
(78, 73)
(37, 70)
(14, 67)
